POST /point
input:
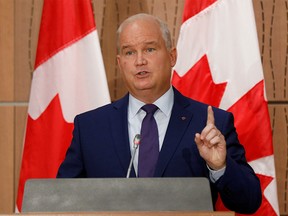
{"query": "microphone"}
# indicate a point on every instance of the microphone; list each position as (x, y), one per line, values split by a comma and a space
(136, 143)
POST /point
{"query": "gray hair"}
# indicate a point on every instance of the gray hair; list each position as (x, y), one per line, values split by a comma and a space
(163, 28)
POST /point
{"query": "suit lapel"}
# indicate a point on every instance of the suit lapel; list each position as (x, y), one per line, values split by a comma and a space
(119, 129)
(179, 121)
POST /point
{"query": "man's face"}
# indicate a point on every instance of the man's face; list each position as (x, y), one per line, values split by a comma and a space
(144, 61)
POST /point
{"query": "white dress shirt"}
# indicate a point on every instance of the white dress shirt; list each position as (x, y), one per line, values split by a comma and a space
(162, 117)
(136, 115)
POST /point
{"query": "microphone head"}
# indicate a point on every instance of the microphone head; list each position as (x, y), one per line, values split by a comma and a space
(137, 139)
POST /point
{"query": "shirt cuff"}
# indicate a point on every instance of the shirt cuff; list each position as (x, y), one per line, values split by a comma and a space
(216, 174)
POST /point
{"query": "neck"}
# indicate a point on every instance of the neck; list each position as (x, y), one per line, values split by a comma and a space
(148, 96)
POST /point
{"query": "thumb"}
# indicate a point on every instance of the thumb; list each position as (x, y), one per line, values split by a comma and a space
(198, 139)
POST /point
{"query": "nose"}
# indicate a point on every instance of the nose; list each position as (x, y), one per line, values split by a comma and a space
(140, 59)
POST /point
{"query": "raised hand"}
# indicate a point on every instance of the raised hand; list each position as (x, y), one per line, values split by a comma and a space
(211, 143)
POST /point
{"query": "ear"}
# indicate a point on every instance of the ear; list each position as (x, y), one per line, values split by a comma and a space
(118, 57)
(173, 56)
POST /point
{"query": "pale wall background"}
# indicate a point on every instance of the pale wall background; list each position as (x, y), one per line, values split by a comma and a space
(19, 26)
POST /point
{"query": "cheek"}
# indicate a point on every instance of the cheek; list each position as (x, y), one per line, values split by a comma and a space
(126, 65)
(126, 70)
(122, 64)
(163, 65)
(123, 67)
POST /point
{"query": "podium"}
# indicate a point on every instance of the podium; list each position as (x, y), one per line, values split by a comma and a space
(119, 196)
(132, 214)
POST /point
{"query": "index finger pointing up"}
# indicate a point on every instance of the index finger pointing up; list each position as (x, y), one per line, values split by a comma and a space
(210, 116)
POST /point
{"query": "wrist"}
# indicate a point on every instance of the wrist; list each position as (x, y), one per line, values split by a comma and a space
(216, 168)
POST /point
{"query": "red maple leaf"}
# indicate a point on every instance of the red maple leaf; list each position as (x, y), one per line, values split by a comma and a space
(198, 84)
(46, 142)
(265, 209)
(253, 124)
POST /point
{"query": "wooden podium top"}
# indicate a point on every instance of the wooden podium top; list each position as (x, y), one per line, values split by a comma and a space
(162, 213)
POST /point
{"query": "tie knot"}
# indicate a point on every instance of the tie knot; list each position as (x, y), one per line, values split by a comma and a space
(149, 108)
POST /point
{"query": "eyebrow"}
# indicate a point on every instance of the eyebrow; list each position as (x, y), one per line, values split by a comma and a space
(146, 43)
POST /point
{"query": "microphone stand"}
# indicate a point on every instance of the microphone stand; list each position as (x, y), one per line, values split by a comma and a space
(136, 143)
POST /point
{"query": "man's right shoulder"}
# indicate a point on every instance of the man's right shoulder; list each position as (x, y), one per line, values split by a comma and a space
(97, 111)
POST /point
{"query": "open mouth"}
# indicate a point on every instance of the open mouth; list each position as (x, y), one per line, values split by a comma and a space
(141, 73)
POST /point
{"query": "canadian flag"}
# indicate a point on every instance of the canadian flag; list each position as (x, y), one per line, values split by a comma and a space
(219, 63)
(69, 78)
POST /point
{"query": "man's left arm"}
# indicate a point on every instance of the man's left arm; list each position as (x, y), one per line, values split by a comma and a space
(238, 185)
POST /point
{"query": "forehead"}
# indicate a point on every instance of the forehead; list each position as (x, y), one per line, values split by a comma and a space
(140, 31)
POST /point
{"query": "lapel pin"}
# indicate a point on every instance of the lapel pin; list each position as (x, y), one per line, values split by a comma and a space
(183, 118)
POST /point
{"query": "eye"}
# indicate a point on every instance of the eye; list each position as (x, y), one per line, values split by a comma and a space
(150, 49)
(128, 53)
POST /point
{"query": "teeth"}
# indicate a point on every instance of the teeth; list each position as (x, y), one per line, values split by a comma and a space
(142, 72)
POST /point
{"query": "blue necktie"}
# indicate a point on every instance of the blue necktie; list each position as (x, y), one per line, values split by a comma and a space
(149, 147)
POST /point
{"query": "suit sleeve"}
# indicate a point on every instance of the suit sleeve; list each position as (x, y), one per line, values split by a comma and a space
(239, 187)
(72, 166)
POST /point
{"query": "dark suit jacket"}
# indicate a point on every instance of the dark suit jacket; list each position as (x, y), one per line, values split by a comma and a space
(100, 148)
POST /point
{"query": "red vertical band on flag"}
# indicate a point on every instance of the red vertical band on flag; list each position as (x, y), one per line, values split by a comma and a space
(62, 24)
(192, 8)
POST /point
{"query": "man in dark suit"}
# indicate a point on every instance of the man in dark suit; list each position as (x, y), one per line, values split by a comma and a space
(194, 139)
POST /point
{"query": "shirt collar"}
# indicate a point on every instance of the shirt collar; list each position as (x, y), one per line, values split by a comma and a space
(164, 103)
